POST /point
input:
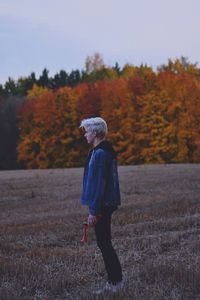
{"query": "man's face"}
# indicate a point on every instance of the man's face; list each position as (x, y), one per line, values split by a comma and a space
(90, 136)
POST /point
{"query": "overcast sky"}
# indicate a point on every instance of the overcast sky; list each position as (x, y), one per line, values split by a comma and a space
(35, 34)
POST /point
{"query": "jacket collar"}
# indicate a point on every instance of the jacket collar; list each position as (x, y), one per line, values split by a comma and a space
(105, 145)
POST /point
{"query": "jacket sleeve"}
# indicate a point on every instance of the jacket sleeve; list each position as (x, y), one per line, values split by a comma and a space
(98, 182)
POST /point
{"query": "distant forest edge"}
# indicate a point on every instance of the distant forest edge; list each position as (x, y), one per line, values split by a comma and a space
(153, 116)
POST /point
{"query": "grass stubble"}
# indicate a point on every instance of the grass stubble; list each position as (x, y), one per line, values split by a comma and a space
(156, 233)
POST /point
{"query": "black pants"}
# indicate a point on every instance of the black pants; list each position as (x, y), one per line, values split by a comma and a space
(103, 237)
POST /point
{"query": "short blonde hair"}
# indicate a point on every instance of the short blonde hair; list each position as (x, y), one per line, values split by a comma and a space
(96, 124)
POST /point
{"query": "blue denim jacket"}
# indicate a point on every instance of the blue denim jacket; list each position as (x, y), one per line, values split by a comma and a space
(100, 179)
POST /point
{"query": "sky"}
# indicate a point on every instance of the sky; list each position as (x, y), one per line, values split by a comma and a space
(38, 34)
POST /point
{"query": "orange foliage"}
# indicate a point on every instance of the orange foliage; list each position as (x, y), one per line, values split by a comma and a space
(152, 118)
(48, 138)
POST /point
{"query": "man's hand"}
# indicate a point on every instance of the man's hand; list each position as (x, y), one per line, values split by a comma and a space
(92, 220)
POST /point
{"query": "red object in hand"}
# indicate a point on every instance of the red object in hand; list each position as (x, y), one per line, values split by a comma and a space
(84, 237)
(85, 229)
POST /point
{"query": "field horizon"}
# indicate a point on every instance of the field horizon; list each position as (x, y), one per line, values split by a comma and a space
(156, 233)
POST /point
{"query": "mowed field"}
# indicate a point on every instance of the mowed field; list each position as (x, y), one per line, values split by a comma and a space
(156, 233)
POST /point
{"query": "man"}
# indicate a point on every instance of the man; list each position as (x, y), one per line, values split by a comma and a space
(102, 195)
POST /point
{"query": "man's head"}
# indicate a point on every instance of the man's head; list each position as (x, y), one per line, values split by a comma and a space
(95, 129)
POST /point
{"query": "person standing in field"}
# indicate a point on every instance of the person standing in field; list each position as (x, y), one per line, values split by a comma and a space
(102, 195)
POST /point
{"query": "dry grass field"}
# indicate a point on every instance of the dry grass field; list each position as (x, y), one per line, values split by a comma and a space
(156, 233)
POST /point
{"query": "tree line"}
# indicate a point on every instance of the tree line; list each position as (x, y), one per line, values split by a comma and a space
(93, 63)
(153, 116)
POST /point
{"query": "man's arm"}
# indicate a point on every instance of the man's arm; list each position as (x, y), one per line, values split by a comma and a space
(98, 184)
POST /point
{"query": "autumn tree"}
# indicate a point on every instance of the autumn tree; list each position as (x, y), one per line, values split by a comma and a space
(94, 63)
(89, 102)
(155, 132)
(153, 117)
(50, 139)
(183, 90)
(118, 111)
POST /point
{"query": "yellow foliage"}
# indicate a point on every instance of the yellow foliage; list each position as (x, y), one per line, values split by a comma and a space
(36, 91)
